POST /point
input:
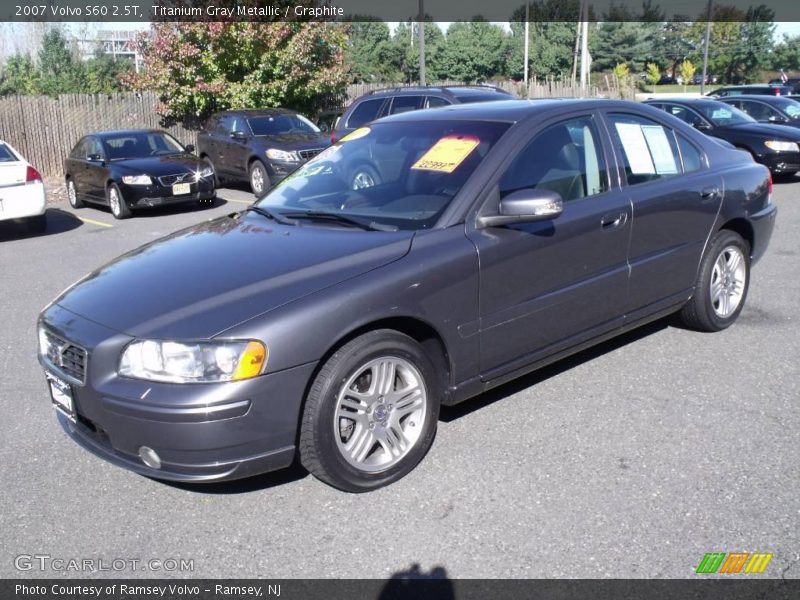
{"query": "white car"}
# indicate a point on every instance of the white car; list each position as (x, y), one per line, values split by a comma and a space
(22, 194)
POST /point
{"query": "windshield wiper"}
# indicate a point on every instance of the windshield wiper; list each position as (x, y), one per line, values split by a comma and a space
(265, 212)
(339, 218)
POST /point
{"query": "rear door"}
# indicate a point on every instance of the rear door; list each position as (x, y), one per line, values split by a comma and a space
(675, 199)
(13, 172)
(548, 285)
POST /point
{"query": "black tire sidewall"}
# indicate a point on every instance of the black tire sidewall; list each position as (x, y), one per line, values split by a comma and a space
(721, 241)
(124, 211)
(341, 473)
(77, 203)
(257, 164)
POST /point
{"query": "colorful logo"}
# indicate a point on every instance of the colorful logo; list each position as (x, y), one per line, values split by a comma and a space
(734, 562)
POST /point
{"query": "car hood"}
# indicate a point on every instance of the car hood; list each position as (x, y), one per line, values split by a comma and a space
(783, 132)
(198, 282)
(295, 141)
(160, 165)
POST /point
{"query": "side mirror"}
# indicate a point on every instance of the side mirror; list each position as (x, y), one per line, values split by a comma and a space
(189, 148)
(238, 135)
(525, 206)
(700, 126)
(776, 119)
(94, 158)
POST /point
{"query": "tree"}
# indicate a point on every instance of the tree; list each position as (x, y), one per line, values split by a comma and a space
(786, 54)
(60, 71)
(474, 51)
(20, 76)
(406, 44)
(104, 73)
(197, 68)
(624, 42)
(653, 74)
(371, 56)
(687, 71)
(672, 45)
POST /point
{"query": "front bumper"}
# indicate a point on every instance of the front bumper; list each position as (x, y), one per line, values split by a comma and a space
(201, 432)
(145, 196)
(781, 162)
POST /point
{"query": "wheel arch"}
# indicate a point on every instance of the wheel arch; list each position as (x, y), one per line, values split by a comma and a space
(744, 228)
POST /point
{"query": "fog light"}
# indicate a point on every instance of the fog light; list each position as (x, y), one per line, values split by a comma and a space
(149, 457)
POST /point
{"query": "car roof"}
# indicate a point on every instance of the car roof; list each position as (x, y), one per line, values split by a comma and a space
(510, 111)
(446, 90)
(756, 98)
(116, 132)
(686, 101)
(254, 112)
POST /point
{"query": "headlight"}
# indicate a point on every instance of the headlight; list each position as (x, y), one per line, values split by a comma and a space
(283, 155)
(202, 362)
(779, 146)
(205, 172)
(137, 179)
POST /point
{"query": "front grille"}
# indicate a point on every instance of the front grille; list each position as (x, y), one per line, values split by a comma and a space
(310, 153)
(168, 180)
(66, 356)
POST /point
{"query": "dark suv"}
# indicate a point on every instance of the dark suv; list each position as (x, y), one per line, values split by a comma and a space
(380, 103)
(260, 146)
(756, 89)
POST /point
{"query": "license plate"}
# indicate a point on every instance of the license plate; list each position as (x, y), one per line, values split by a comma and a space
(61, 395)
(181, 188)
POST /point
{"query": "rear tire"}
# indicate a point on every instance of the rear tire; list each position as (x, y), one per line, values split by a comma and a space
(72, 195)
(722, 283)
(371, 412)
(116, 202)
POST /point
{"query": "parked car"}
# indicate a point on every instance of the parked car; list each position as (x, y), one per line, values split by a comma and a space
(667, 79)
(334, 322)
(768, 109)
(133, 169)
(793, 82)
(22, 194)
(775, 146)
(390, 101)
(761, 90)
(259, 146)
(698, 79)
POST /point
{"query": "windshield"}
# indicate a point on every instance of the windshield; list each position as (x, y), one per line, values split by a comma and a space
(402, 175)
(722, 115)
(140, 145)
(281, 125)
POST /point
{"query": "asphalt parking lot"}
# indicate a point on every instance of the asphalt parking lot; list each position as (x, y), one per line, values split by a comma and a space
(632, 459)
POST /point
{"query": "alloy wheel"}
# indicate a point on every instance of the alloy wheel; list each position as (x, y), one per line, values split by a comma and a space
(728, 281)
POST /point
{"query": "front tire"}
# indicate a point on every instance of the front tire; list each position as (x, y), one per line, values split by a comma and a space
(721, 286)
(371, 413)
(116, 202)
(259, 179)
(72, 195)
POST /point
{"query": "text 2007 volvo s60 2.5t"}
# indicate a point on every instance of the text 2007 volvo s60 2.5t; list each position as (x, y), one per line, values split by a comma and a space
(331, 323)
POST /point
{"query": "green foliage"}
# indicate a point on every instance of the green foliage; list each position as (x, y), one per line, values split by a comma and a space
(371, 55)
(19, 76)
(786, 54)
(686, 70)
(104, 72)
(197, 68)
(60, 71)
(624, 41)
(474, 52)
(621, 71)
(653, 73)
(406, 43)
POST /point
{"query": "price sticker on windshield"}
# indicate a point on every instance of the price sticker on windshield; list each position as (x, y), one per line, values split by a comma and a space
(447, 154)
(354, 135)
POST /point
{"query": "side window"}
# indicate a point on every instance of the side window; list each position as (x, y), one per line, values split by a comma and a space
(692, 157)
(226, 125)
(81, 150)
(94, 147)
(757, 110)
(684, 114)
(565, 158)
(648, 149)
(401, 104)
(237, 124)
(365, 112)
(435, 102)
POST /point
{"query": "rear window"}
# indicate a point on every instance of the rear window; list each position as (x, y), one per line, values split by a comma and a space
(401, 104)
(365, 112)
(6, 155)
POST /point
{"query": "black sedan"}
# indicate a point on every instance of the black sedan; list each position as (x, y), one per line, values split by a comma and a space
(775, 146)
(768, 109)
(133, 169)
(332, 323)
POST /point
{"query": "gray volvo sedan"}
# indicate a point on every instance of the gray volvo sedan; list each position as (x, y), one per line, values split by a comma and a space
(331, 323)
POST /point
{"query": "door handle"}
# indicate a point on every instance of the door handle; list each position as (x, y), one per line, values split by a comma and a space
(612, 220)
(709, 193)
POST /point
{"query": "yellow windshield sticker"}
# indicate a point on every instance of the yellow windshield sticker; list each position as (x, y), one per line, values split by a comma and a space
(447, 153)
(354, 135)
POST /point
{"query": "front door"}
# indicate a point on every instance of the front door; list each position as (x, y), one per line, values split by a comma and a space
(548, 285)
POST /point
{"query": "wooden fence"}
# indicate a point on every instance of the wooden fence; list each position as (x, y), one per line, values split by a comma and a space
(45, 129)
